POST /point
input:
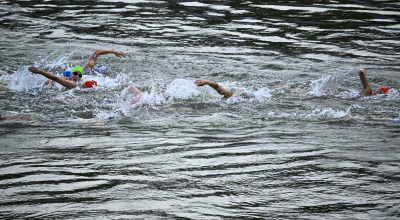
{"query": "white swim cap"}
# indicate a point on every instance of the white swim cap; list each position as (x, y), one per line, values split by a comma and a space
(250, 94)
(100, 69)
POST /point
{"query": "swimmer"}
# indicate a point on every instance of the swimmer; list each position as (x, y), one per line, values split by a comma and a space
(367, 89)
(77, 72)
(2, 117)
(222, 91)
(133, 94)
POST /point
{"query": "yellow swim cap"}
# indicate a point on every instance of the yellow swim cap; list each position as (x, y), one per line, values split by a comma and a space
(77, 68)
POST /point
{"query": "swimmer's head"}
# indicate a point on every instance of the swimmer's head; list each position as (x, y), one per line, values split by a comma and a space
(247, 94)
(77, 68)
(90, 83)
(382, 90)
(76, 74)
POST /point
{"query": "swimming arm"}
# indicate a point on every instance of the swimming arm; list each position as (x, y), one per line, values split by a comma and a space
(367, 89)
(2, 117)
(222, 91)
(134, 90)
(68, 84)
(93, 58)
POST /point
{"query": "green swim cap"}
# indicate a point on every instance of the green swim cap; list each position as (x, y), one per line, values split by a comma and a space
(77, 68)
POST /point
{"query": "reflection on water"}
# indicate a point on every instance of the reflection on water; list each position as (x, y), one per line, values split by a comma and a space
(306, 145)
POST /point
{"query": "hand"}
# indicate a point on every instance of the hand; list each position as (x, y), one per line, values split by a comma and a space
(363, 72)
(120, 54)
(200, 82)
(34, 69)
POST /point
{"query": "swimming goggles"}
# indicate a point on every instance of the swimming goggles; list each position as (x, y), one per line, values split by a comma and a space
(76, 74)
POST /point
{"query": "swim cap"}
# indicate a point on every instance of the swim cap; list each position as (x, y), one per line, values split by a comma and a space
(100, 69)
(250, 94)
(384, 89)
(67, 73)
(77, 68)
(90, 83)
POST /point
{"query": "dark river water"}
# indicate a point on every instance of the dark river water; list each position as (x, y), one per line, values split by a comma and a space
(306, 147)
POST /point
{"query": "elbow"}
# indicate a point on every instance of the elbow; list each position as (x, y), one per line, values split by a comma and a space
(228, 94)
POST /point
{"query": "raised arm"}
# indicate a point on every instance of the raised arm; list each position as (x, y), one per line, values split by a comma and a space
(222, 91)
(93, 58)
(367, 89)
(68, 84)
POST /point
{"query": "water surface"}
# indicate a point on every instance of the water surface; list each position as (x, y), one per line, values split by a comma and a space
(306, 147)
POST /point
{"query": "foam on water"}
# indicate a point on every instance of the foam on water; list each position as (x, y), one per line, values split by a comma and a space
(263, 94)
(315, 115)
(150, 99)
(327, 113)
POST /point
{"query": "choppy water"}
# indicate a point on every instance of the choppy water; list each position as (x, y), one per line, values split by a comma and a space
(305, 148)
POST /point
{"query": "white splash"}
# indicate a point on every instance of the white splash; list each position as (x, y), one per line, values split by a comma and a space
(23, 80)
(182, 89)
(151, 99)
(330, 82)
(58, 62)
(263, 94)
